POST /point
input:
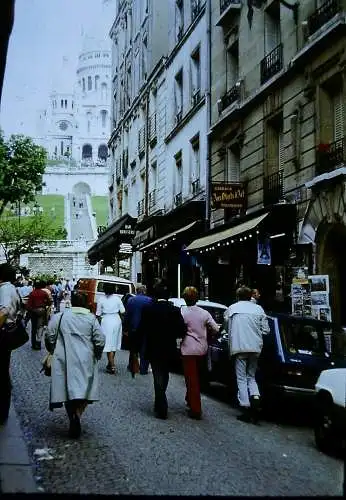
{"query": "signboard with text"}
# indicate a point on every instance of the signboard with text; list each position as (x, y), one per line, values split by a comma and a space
(228, 195)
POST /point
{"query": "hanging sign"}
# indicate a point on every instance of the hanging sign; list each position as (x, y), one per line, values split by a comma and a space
(228, 195)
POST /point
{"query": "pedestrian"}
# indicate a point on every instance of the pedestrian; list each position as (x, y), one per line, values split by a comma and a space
(246, 323)
(25, 290)
(38, 306)
(255, 295)
(75, 340)
(108, 312)
(74, 201)
(9, 308)
(199, 323)
(134, 308)
(160, 326)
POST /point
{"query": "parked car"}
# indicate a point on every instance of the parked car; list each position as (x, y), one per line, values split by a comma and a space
(330, 415)
(295, 352)
(216, 310)
(94, 287)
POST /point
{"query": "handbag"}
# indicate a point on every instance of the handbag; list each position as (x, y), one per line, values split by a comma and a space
(47, 360)
(14, 335)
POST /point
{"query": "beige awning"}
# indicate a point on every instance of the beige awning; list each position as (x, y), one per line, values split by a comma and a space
(168, 236)
(211, 239)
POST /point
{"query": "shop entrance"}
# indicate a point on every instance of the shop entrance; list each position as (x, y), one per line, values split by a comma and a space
(331, 248)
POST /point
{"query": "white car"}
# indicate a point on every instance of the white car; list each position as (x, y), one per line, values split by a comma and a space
(330, 423)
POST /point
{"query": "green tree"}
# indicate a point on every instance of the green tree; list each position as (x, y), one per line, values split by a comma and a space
(26, 235)
(22, 164)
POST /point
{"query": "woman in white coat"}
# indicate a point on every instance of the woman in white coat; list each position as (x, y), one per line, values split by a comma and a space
(75, 339)
(108, 311)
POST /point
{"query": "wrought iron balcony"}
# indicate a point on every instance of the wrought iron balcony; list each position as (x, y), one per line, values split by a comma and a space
(178, 199)
(322, 15)
(271, 64)
(224, 4)
(232, 95)
(152, 199)
(330, 156)
(273, 188)
(152, 130)
(140, 208)
(195, 185)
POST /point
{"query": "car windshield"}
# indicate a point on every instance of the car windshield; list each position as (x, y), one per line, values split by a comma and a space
(216, 312)
(312, 338)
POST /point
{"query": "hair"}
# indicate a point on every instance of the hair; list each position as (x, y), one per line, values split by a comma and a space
(160, 291)
(7, 272)
(39, 284)
(108, 288)
(141, 289)
(190, 294)
(244, 293)
(79, 299)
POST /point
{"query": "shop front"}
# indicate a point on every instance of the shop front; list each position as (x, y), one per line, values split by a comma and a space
(255, 250)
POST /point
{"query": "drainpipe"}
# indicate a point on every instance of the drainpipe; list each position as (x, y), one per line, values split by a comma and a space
(208, 117)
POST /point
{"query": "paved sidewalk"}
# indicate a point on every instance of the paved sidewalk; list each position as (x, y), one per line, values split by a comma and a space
(16, 473)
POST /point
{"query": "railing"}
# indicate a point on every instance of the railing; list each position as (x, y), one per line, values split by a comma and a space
(178, 117)
(51, 244)
(231, 96)
(152, 129)
(224, 4)
(196, 97)
(195, 10)
(178, 199)
(140, 208)
(195, 185)
(271, 64)
(322, 15)
(152, 199)
(329, 156)
(273, 188)
(141, 142)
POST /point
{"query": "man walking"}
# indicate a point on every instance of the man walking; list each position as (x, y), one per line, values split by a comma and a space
(246, 323)
(134, 308)
(160, 326)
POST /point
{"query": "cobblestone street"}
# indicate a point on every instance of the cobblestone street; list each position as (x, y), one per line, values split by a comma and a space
(124, 450)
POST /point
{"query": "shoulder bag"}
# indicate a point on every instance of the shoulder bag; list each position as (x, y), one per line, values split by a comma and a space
(47, 360)
(14, 335)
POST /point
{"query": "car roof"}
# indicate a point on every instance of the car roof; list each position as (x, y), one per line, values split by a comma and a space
(106, 277)
(206, 303)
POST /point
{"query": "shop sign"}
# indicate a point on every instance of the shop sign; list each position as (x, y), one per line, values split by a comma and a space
(228, 195)
(127, 230)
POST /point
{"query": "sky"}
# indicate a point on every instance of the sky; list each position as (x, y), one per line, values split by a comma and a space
(44, 32)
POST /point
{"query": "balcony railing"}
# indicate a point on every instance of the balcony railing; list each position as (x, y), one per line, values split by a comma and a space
(195, 186)
(329, 156)
(152, 199)
(271, 64)
(140, 208)
(178, 199)
(322, 15)
(273, 188)
(152, 129)
(231, 96)
(224, 4)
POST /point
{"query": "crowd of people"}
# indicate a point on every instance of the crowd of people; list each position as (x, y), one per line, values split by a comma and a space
(76, 339)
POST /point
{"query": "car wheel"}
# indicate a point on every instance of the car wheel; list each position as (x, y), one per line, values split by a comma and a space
(324, 427)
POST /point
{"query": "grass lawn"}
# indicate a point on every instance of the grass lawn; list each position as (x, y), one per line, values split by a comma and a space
(53, 201)
(100, 206)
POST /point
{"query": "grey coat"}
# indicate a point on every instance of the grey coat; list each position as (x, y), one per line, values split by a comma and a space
(75, 348)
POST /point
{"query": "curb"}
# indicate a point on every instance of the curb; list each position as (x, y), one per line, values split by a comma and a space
(16, 473)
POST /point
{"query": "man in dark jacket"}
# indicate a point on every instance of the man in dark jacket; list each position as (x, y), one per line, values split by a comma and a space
(160, 326)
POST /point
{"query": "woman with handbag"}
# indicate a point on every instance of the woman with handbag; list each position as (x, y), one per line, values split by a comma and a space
(199, 323)
(9, 308)
(75, 340)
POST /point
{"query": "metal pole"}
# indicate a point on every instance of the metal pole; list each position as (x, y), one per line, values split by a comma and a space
(179, 281)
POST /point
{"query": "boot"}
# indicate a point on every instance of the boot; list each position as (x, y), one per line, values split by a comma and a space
(255, 408)
(245, 416)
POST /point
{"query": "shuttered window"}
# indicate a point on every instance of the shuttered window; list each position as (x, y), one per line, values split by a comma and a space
(233, 167)
(281, 144)
(338, 105)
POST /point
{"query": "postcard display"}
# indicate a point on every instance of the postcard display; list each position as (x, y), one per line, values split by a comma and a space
(310, 295)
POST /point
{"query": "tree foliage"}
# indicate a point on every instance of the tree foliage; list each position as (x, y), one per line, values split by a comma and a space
(26, 235)
(22, 164)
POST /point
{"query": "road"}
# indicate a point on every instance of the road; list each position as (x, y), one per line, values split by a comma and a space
(125, 450)
(80, 218)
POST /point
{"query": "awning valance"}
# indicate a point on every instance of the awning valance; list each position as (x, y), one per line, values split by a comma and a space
(211, 239)
(168, 236)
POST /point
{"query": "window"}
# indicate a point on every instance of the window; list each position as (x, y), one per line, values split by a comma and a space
(103, 118)
(72, 104)
(178, 94)
(232, 65)
(153, 176)
(129, 86)
(103, 152)
(338, 112)
(89, 117)
(126, 201)
(104, 91)
(56, 150)
(144, 54)
(62, 103)
(195, 163)
(83, 84)
(195, 72)
(178, 177)
(61, 148)
(97, 78)
(275, 145)
(179, 19)
(272, 31)
(87, 151)
(65, 103)
(232, 159)
(89, 83)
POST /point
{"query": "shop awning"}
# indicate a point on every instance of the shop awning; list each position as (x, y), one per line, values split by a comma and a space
(211, 239)
(170, 235)
(143, 236)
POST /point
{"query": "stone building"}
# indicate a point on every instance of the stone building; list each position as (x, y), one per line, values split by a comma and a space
(278, 136)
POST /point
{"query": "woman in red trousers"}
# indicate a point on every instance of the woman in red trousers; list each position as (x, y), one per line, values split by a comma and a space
(199, 322)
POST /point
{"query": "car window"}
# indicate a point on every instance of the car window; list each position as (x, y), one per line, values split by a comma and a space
(216, 312)
(119, 288)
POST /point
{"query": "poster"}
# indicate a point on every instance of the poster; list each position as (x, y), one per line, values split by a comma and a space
(319, 283)
(320, 297)
(301, 299)
(300, 275)
(264, 252)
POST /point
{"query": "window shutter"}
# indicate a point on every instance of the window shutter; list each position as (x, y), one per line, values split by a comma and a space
(281, 151)
(233, 167)
(338, 116)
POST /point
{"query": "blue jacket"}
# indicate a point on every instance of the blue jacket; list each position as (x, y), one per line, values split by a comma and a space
(134, 309)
